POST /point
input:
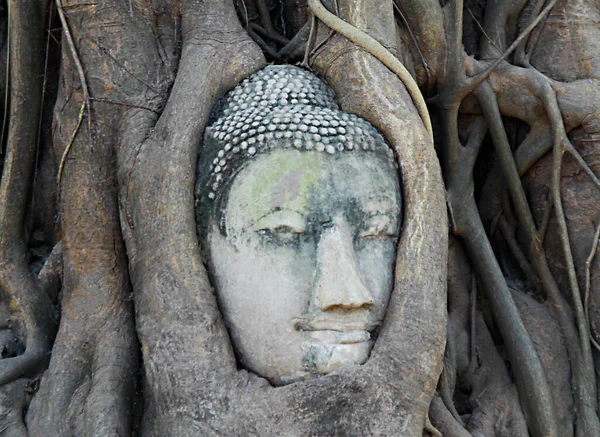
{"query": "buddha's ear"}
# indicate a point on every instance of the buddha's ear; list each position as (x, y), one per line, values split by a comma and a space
(412, 339)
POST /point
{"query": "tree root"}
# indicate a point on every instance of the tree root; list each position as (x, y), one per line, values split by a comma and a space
(535, 145)
(13, 400)
(63, 158)
(541, 233)
(168, 275)
(432, 430)
(509, 235)
(559, 133)
(494, 398)
(458, 167)
(34, 311)
(474, 355)
(587, 275)
(296, 47)
(577, 351)
(415, 42)
(551, 347)
(265, 17)
(447, 381)
(50, 276)
(372, 46)
(261, 43)
(312, 37)
(90, 384)
(526, 155)
(521, 54)
(275, 36)
(315, 51)
(442, 419)
(27, 365)
(78, 67)
(575, 154)
(474, 82)
(176, 301)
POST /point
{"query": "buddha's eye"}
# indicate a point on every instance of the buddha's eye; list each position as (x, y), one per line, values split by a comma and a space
(378, 226)
(282, 233)
(283, 226)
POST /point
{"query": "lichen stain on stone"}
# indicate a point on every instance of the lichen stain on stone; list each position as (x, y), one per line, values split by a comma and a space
(290, 177)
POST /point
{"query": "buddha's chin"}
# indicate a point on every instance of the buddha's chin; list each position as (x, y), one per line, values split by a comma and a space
(322, 359)
(342, 355)
(324, 352)
(327, 351)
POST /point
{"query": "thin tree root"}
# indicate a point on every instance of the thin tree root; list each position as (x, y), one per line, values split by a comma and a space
(443, 420)
(541, 233)
(473, 361)
(13, 401)
(579, 354)
(127, 105)
(261, 43)
(265, 16)
(50, 276)
(535, 35)
(531, 380)
(6, 84)
(588, 263)
(273, 36)
(416, 44)
(477, 80)
(521, 57)
(447, 381)
(575, 154)
(295, 47)
(559, 133)
(63, 158)
(372, 46)
(509, 235)
(77, 62)
(312, 37)
(483, 31)
(535, 146)
(314, 52)
(431, 429)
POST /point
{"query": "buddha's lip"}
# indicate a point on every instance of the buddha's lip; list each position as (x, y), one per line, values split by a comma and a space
(324, 324)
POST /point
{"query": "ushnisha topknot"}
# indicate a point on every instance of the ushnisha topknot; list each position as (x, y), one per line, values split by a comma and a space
(280, 106)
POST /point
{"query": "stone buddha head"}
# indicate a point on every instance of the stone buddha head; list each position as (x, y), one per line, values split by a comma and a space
(299, 212)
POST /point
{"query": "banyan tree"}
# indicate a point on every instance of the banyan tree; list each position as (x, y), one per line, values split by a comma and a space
(299, 218)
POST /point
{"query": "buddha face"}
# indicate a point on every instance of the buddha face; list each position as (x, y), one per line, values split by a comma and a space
(303, 261)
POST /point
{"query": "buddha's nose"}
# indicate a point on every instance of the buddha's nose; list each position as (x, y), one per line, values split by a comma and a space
(339, 284)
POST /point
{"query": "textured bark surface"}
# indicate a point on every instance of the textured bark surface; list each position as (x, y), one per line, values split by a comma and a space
(108, 322)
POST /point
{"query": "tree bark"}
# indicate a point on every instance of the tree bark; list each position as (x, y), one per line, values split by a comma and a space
(504, 316)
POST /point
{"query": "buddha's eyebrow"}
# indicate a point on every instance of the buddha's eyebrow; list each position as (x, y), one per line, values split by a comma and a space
(274, 210)
(382, 205)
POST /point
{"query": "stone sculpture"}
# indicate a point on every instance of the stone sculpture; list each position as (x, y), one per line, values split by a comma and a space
(299, 212)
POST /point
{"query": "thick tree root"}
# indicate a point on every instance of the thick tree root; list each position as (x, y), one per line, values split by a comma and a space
(13, 399)
(34, 312)
(579, 350)
(50, 277)
(375, 48)
(442, 419)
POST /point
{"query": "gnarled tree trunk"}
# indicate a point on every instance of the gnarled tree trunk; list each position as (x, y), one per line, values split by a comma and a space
(109, 324)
